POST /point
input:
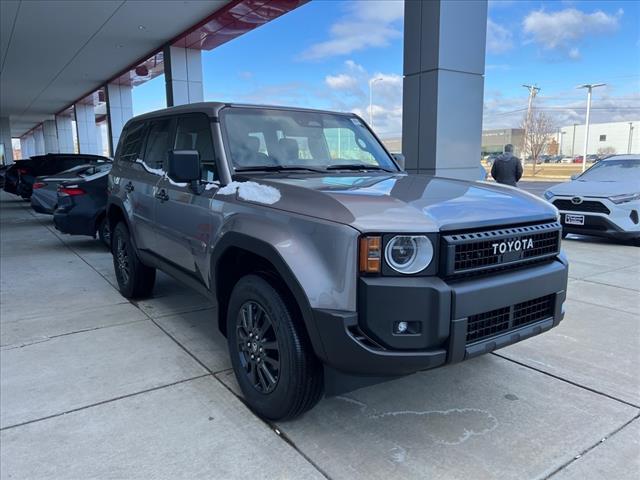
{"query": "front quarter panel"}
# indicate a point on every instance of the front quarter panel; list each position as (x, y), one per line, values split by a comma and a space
(321, 255)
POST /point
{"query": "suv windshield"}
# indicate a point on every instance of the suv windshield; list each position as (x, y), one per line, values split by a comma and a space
(289, 139)
(612, 171)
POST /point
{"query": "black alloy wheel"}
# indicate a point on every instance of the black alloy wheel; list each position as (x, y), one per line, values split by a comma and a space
(135, 279)
(258, 347)
(271, 353)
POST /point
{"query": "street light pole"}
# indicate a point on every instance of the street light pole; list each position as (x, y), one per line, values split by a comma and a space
(573, 142)
(533, 91)
(630, 137)
(589, 88)
(371, 82)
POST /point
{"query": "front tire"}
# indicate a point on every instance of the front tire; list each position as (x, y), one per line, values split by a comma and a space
(271, 355)
(135, 280)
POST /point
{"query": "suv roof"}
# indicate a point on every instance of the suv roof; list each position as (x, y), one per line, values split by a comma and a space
(213, 108)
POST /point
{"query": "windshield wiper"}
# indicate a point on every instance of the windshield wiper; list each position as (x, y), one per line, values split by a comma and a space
(356, 166)
(277, 168)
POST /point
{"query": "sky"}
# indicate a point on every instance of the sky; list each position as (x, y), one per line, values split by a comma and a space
(324, 54)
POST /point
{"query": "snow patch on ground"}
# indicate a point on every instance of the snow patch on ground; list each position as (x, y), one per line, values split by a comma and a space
(252, 192)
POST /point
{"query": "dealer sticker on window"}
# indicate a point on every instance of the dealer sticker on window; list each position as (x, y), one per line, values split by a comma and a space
(574, 219)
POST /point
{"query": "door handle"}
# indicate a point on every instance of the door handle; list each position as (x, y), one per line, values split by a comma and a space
(162, 195)
(129, 187)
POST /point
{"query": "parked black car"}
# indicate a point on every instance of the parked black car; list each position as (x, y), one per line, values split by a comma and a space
(44, 198)
(12, 175)
(50, 164)
(3, 171)
(82, 206)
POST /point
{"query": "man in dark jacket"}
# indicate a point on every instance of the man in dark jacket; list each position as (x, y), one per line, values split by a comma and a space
(507, 168)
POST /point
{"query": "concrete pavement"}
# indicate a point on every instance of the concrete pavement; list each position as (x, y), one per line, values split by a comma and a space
(94, 386)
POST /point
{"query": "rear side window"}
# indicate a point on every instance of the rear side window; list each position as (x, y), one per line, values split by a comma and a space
(132, 143)
(194, 133)
(158, 142)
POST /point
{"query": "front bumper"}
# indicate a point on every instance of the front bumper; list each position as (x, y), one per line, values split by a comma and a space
(599, 225)
(363, 342)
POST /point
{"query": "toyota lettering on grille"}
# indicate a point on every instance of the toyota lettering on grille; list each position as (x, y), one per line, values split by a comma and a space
(512, 245)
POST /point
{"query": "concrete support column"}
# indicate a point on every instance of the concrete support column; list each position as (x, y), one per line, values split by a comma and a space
(5, 139)
(38, 137)
(50, 136)
(27, 146)
(183, 75)
(64, 128)
(444, 56)
(119, 110)
(87, 130)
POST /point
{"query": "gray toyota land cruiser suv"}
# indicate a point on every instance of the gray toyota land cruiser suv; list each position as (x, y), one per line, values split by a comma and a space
(328, 263)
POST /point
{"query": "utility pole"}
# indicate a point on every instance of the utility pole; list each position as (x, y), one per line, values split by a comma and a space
(589, 87)
(630, 137)
(533, 91)
(371, 82)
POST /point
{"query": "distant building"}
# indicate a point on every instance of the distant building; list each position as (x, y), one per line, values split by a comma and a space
(493, 141)
(612, 137)
(393, 144)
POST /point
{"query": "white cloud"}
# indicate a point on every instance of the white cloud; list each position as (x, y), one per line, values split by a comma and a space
(341, 81)
(499, 38)
(363, 26)
(564, 30)
(564, 108)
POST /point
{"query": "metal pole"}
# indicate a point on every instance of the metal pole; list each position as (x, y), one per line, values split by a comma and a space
(533, 90)
(589, 88)
(630, 137)
(573, 142)
(371, 82)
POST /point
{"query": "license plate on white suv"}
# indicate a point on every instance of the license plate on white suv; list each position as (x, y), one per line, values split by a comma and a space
(570, 219)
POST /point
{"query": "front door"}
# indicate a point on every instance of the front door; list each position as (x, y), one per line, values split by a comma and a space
(187, 221)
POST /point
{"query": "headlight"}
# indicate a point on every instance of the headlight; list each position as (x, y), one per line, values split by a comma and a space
(409, 253)
(627, 197)
(548, 195)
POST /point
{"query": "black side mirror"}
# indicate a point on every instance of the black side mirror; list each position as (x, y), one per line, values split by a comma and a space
(399, 158)
(184, 166)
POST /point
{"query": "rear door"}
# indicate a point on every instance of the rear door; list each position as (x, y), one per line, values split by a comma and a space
(187, 221)
(137, 185)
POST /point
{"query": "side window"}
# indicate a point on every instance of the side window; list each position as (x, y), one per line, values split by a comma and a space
(194, 133)
(132, 143)
(158, 142)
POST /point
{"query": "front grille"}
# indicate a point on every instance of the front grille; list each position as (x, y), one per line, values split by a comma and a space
(590, 206)
(488, 324)
(493, 249)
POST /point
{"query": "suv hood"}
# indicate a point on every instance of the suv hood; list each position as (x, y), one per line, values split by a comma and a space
(594, 189)
(405, 203)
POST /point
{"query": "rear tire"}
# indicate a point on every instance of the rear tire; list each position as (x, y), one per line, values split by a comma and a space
(135, 280)
(271, 355)
(104, 231)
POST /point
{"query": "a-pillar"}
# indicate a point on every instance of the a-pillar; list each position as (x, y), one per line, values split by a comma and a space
(38, 137)
(64, 127)
(183, 75)
(27, 146)
(119, 109)
(87, 130)
(50, 136)
(5, 139)
(444, 58)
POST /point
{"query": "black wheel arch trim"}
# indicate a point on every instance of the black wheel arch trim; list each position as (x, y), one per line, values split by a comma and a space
(116, 203)
(269, 253)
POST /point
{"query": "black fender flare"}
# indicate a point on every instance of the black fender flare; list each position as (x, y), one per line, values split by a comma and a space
(117, 203)
(268, 252)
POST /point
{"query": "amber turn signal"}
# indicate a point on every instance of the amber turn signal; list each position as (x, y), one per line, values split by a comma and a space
(370, 254)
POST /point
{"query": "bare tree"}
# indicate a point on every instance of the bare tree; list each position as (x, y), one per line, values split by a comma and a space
(539, 130)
